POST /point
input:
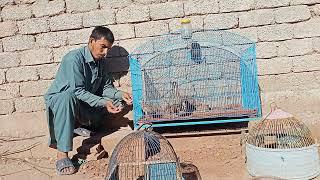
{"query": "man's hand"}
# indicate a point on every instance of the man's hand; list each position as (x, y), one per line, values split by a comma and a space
(127, 98)
(112, 108)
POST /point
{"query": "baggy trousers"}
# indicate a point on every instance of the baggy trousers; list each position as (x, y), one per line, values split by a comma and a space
(63, 111)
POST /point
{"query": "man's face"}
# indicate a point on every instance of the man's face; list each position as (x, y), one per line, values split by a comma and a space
(99, 48)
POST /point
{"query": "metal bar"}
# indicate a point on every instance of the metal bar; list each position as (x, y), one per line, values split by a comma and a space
(167, 124)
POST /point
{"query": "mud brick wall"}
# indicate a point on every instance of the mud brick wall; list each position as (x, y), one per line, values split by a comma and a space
(35, 34)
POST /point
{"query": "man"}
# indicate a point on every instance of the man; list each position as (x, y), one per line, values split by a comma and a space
(82, 93)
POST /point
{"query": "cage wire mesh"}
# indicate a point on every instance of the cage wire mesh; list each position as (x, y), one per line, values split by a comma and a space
(280, 130)
(144, 155)
(282, 146)
(211, 75)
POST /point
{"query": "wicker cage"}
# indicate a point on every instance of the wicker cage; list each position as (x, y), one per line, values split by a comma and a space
(280, 130)
(146, 155)
(282, 146)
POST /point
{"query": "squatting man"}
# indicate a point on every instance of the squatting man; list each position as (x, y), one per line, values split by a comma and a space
(81, 94)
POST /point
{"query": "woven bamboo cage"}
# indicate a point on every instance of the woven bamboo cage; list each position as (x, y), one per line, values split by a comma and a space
(146, 155)
(282, 146)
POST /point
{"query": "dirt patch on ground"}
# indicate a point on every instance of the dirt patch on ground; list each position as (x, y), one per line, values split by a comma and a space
(216, 156)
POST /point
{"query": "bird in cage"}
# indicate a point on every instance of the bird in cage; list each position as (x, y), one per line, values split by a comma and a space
(150, 111)
(196, 54)
(221, 66)
(178, 105)
(286, 143)
(188, 107)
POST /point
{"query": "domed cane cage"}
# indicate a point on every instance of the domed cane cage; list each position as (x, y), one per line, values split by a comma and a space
(144, 155)
(207, 77)
(282, 146)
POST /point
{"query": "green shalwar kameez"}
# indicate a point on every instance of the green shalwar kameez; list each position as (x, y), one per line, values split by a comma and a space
(78, 94)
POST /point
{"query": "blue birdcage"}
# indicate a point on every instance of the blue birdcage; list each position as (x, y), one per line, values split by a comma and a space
(208, 77)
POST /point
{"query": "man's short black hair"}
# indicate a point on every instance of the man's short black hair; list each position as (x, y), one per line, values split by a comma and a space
(102, 32)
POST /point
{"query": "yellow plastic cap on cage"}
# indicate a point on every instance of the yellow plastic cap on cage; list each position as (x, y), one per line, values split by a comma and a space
(185, 21)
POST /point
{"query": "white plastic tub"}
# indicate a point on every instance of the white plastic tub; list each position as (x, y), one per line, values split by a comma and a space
(294, 163)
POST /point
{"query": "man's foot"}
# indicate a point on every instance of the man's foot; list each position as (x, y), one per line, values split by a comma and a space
(64, 165)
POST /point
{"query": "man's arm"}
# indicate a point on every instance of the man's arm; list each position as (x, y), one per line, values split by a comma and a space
(109, 90)
(77, 84)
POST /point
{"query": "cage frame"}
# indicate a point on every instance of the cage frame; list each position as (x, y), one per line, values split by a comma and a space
(154, 164)
(137, 90)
